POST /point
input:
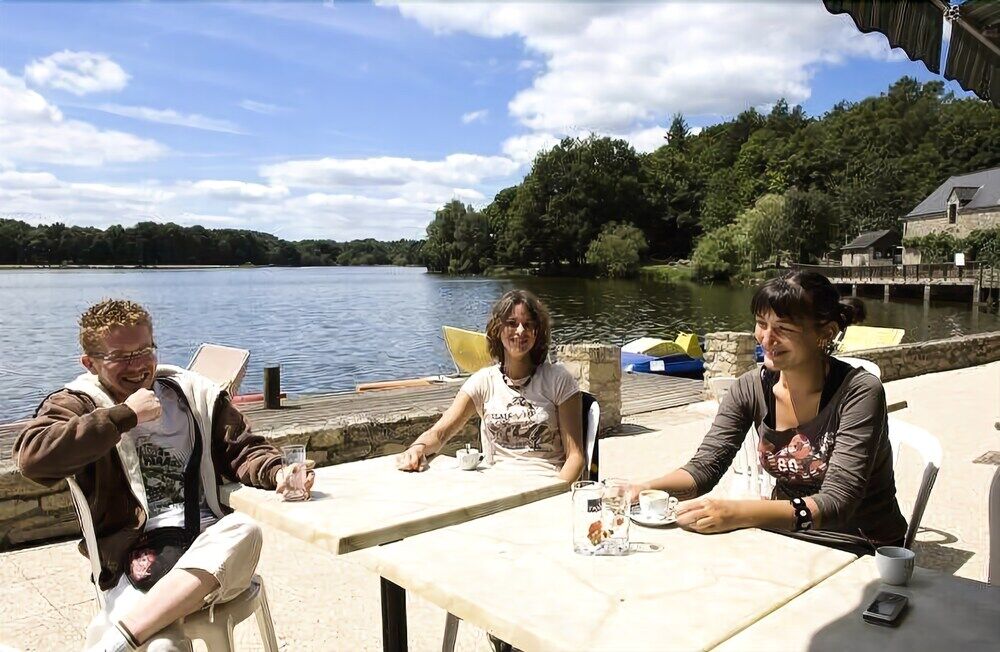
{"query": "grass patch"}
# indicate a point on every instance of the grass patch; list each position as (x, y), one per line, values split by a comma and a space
(666, 273)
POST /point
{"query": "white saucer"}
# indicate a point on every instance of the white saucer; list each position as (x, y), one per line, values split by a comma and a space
(642, 518)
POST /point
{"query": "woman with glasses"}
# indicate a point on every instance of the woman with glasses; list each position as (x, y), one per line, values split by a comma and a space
(530, 409)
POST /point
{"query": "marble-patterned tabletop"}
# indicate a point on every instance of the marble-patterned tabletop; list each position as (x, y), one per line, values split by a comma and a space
(515, 574)
(368, 503)
(943, 612)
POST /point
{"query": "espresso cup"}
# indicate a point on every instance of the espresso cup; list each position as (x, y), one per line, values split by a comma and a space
(657, 503)
(468, 459)
(894, 564)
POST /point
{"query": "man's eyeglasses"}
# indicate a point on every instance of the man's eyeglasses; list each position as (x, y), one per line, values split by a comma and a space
(125, 358)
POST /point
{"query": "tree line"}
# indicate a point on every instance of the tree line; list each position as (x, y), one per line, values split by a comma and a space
(152, 243)
(756, 190)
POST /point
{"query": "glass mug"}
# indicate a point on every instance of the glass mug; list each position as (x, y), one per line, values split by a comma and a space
(588, 525)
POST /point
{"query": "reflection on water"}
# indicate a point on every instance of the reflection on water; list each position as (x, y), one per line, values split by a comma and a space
(331, 328)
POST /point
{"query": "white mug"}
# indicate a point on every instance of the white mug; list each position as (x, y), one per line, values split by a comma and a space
(655, 502)
(894, 564)
(469, 458)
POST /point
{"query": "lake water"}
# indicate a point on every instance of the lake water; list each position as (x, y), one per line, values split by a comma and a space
(331, 328)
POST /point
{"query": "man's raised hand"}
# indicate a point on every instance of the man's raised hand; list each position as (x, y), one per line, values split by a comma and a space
(145, 405)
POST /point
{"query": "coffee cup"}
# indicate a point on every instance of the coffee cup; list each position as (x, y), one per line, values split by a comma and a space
(468, 458)
(657, 503)
(894, 564)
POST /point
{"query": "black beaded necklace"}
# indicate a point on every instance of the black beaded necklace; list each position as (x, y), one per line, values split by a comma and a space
(518, 385)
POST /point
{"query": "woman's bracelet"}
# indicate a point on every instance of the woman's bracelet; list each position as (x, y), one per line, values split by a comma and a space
(803, 515)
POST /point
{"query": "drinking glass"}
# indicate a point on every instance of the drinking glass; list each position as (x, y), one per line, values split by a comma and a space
(615, 516)
(293, 464)
(588, 526)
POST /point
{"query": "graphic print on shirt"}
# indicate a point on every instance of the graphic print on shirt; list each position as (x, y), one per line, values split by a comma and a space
(163, 476)
(520, 426)
(798, 459)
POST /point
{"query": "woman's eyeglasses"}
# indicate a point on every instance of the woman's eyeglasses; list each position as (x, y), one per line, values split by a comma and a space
(512, 324)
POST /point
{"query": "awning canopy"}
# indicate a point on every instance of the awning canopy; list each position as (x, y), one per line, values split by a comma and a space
(916, 26)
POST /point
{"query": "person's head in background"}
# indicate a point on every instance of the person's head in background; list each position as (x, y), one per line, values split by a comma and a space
(798, 317)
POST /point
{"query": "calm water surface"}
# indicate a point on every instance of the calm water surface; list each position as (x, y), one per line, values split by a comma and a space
(331, 328)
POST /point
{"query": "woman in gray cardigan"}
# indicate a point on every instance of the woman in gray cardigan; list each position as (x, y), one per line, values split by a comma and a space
(822, 426)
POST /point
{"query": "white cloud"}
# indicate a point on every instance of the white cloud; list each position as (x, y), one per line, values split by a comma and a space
(34, 131)
(237, 190)
(525, 147)
(171, 117)
(453, 170)
(475, 116)
(79, 73)
(613, 68)
(261, 107)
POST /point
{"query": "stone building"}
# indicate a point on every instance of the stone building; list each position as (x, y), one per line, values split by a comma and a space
(959, 206)
(871, 248)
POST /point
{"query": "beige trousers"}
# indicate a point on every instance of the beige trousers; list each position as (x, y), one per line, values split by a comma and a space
(228, 549)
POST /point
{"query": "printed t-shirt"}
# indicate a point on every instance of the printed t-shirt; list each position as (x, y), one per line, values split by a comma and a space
(520, 426)
(164, 446)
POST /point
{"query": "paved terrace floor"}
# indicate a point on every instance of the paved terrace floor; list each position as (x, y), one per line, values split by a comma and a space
(324, 603)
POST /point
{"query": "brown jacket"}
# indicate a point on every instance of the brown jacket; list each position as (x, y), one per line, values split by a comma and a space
(70, 437)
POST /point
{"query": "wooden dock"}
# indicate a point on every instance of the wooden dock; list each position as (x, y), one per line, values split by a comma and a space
(640, 393)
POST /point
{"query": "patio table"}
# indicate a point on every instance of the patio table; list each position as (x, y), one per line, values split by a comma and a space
(362, 504)
(515, 575)
(943, 613)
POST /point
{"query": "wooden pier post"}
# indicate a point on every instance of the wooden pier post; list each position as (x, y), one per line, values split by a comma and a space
(272, 387)
(927, 295)
(885, 294)
(854, 289)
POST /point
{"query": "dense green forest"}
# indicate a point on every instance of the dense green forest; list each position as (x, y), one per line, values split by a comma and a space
(758, 189)
(150, 243)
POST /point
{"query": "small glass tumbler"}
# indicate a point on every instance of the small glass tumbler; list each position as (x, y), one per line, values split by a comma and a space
(588, 529)
(293, 464)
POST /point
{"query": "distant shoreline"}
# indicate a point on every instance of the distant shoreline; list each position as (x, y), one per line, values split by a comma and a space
(172, 267)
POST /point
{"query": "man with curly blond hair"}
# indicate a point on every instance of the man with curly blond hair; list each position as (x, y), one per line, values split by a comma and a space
(144, 448)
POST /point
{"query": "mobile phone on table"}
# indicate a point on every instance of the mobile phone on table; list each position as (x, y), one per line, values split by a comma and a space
(886, 609)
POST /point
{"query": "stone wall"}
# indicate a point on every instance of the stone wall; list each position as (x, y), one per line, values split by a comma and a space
(598, 370)
(30, 511)
(729, 353)
(908, 360)
(965, 223)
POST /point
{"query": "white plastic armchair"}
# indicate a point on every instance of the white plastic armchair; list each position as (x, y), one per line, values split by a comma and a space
(867, 365)
(993, 570)
(224, 365)
(903, 434)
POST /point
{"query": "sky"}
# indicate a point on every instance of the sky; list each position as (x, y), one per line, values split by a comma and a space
(350, 120)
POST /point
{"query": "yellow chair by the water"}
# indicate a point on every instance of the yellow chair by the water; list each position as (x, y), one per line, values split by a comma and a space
(469, 349)
(858, 338)
(686, 343)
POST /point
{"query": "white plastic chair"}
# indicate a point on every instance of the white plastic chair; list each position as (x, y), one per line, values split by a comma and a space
(216, 629)
(213, 626)
(902, 434)
(591, 423)
(719, 385)
(224, 365)
(993, 570)
(867, 365)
